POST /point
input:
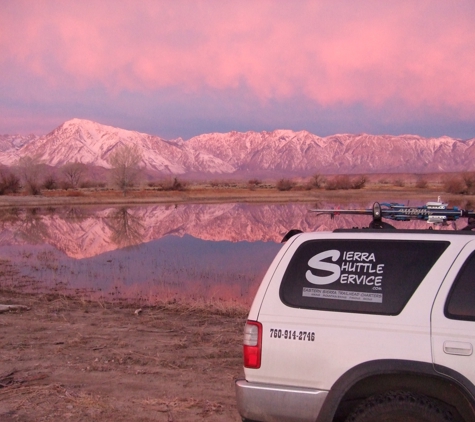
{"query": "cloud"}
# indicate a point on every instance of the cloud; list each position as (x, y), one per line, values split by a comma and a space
(330, 53)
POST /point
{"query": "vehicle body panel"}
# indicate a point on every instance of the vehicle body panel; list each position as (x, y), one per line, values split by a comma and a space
(310, 349)
(453, 340)
(338, 343)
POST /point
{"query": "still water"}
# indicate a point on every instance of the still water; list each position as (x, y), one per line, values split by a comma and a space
(151, 253)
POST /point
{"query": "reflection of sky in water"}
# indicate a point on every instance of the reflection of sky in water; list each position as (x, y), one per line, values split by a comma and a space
(167, 268)
(184, 265)
(155, 252)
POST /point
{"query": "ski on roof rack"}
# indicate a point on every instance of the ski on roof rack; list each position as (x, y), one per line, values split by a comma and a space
(436, 212)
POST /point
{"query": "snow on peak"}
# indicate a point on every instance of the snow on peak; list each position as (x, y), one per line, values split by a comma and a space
(280, 151)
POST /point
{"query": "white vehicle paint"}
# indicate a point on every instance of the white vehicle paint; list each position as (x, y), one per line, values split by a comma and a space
(327, 345)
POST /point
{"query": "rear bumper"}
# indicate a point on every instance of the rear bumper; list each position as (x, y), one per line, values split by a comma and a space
(266, 402)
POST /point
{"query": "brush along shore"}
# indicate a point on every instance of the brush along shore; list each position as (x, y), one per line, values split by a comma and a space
(200, 194)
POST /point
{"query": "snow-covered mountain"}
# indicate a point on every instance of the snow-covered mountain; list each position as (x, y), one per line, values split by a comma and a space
(282, 152)
(92, 143)
(15, 142)
(303, 152)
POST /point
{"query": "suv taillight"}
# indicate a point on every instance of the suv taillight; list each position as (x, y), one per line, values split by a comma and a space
(252, 344)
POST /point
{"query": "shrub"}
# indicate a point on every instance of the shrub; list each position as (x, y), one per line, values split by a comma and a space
(469, 180)
(9, 182)
(253, 183)
(285, 184)
(89, 184)
(399, 183)
(455, 185)
(215, 183)
(50, 183)
(317, 181)
(174, 185)
(342, 182)
(66, 185)
(359, 182)
(421, 183)
(33, 188)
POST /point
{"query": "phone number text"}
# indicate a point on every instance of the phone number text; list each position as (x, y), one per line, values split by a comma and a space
(292, 334)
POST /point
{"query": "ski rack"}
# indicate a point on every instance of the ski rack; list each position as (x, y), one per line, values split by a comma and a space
(436, 213)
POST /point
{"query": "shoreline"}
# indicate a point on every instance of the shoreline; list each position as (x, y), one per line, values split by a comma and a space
(227, 195)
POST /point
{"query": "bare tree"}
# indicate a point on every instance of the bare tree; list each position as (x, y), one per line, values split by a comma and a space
(9, 182)
(125, 163)
(317, 181)
(127, 228)
(73, 172)
(30, 169)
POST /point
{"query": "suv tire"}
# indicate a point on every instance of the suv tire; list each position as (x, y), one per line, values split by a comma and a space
(401, 406)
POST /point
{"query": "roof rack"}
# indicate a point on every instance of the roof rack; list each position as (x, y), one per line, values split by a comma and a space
(423, 231)
(436, 213)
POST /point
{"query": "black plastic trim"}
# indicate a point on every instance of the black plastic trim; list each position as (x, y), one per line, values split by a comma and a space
(388, 367)
(445, 373)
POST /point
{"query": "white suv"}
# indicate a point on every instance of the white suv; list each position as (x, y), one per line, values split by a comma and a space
(363, 325)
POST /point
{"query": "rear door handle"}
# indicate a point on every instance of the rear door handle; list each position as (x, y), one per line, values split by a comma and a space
(458, 348)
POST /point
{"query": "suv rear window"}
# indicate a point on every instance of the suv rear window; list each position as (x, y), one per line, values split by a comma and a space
(461, 302)
(364, 276)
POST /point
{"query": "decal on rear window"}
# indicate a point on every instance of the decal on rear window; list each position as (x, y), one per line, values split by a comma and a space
(366, 276)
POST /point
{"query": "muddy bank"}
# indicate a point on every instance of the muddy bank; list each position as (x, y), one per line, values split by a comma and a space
(65, 359)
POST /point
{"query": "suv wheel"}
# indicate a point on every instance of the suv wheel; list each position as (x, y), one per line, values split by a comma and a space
(401, 406)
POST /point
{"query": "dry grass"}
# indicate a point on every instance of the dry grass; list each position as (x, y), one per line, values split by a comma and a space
(70, 359)
(403, 186)
(206, 307)
(61, 302)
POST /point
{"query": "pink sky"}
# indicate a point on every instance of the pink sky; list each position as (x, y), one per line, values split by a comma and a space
(183, 67)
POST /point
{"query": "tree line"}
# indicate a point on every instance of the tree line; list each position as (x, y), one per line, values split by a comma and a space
(29, 173)
(32, 175)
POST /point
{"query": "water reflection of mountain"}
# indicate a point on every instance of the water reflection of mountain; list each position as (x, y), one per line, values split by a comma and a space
(83, 232)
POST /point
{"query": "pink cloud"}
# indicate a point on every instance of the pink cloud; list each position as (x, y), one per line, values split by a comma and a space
(29, 122)
(345, 52)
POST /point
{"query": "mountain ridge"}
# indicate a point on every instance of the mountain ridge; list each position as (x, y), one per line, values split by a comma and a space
(281, 151)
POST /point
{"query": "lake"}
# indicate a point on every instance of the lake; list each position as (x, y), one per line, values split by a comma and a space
(153, 253)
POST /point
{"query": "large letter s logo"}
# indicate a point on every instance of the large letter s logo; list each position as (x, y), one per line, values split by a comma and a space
(317, 263)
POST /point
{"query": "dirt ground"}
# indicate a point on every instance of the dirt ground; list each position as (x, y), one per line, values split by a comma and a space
(68, 360)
